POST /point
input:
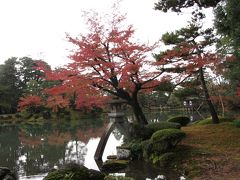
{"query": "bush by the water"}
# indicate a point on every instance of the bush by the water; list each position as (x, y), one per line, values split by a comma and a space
(165, 140)
(163, 125)
(180, 119)
(138, 131)
(75, 172)
(136, 148)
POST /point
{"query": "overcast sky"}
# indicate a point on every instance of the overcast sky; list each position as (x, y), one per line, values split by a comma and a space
(36, 28)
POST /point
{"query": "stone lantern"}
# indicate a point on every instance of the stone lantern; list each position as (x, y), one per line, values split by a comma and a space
(116, 116)
(117, 112)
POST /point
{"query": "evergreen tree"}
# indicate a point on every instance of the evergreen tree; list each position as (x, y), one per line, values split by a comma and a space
(227, 23)
(9, 86)
(189, 52)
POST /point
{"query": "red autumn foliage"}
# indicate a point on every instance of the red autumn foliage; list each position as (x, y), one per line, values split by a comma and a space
(30, 101)
(106, 61)
(185, 57)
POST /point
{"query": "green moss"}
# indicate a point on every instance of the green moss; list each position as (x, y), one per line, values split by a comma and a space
(163, 125)
(114, 165)
(209, 120)
(165, 140)
(180, 119)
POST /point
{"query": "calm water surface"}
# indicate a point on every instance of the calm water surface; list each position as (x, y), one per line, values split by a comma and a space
(33, 149)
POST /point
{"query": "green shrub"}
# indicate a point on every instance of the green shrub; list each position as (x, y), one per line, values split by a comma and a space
(74, 172)
(25, 114)
(163, 125)
(146, 149)
(138, 131)
(135, 146)
(165, 140)
(163, 160)
(180, 119)
(236, 123)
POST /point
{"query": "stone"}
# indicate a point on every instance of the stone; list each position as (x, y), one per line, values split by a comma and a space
(123, 153)
(112, 157)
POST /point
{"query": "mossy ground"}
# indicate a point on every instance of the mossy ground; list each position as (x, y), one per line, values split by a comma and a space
(210, 151)
(114, 165)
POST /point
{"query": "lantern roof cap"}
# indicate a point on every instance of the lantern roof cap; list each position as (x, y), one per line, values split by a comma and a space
(116, 101)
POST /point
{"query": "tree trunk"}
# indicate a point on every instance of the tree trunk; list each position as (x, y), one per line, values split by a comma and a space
(212, 110)
(137, 110)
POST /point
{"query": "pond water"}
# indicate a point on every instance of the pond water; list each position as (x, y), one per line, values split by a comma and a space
(33, 149)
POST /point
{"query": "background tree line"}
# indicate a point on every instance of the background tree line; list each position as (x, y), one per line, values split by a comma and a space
(18, 76)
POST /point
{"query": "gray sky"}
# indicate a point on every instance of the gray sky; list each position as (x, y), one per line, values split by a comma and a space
(36, 28)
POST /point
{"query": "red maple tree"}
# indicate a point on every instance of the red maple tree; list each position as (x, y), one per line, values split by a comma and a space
(107, 62)
(30, 101)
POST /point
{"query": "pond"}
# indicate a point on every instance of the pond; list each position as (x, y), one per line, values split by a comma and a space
(32, 149)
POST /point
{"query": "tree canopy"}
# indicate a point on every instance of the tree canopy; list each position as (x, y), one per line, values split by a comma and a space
(108, 61)
(227, 23)
(190, 52)
(18, 76)
(178, 5)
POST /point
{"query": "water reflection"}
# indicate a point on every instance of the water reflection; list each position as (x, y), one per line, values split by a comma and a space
(33, 149)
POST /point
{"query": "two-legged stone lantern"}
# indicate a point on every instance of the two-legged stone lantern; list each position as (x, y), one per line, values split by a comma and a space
(115, 116)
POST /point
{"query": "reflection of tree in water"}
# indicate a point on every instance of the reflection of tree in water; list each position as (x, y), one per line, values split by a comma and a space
(9, 146)
(33, 149)
(41, 158)
(75, 152)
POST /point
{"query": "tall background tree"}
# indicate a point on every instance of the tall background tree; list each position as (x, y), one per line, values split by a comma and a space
(19, 76)
(179, 5)
(227, 23)
(9, 86)
(190, 53)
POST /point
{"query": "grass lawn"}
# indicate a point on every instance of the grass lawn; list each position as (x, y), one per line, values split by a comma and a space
(210, 152)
